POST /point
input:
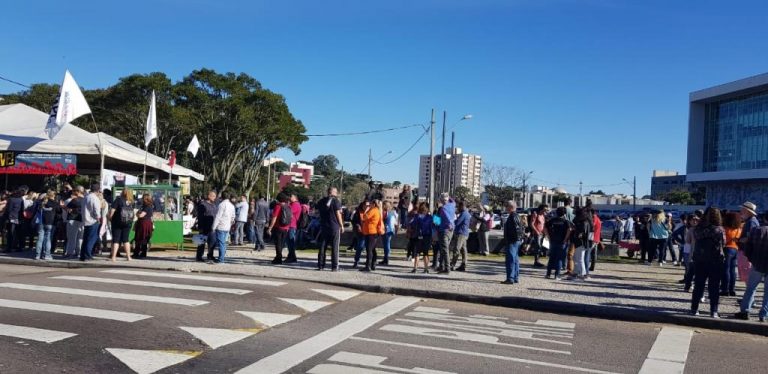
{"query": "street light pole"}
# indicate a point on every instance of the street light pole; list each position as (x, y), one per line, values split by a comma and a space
(451, 163)
(370, 158)
(431, 189)
(634, 192)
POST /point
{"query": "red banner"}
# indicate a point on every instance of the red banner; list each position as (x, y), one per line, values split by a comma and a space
(37, 164)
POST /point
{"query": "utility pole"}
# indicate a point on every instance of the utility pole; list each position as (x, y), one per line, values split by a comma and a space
(269, 175)
(370, 178)
(581, 203)
(525, 193)
(431, 189)
(442, 157)
(451, 164)
(341, 184)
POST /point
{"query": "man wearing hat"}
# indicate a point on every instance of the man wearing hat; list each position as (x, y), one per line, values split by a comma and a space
(749, 215)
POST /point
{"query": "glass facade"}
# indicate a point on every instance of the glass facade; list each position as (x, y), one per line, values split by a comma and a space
(736, 133)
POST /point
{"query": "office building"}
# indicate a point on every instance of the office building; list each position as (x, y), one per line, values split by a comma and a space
(451, 171)
(666, 181)
(298, 174)
(728, 142)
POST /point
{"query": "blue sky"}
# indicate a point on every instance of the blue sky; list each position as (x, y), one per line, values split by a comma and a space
(575, 90)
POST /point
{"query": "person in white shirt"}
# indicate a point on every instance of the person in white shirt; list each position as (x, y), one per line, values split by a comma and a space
(241, 210)
(222, 223)
(91, 222)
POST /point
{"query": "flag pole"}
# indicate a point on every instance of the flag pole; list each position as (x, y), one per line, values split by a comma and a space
(146, 155)
(101, 151)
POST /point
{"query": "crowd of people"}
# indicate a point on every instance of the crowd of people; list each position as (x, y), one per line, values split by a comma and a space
(715, 247)
(79, 222)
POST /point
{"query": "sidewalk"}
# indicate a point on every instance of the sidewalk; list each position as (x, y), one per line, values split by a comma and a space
(621, 291)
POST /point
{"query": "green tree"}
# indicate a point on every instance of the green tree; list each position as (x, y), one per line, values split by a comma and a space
(39, 96)
(682, 197)
(326, 165)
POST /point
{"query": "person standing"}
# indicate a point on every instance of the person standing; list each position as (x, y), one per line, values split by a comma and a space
(629, 228)
(48, 207)
(278, 226)
(222, 223)
(13, 216)
(462, 234)
(582, 232)
(241, 218)
(404, 204)
(513, 236)
(755, 248)
(558, 231)
(538, 219)
(357, 229)
(260, 219)
(642, 231)
(121, 216)
(447, 214)
(412, 233)
(206, 212)
(749, 216)
(74, 218)
(295, 207)
(658, 231)
(591, 255)
(421, 227)
(391, 224)
(484, 221)
(331, 225)
(91, 222)
(618, 226)
(709, 260)
(372, 228)
(732, 226)
(144, 228)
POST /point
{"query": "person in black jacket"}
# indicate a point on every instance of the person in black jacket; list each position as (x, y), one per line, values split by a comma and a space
(13, 212)
(206, 212)
(756, 250)
(709, 260)
(513, 236)
(48, 207)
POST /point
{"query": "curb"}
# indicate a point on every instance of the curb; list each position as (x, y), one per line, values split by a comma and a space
(531, 304)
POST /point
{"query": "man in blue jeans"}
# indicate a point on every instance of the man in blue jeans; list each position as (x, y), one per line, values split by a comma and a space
(91, 222)
(558, 231)
(756, 249)
(513, 236)
(222, 223)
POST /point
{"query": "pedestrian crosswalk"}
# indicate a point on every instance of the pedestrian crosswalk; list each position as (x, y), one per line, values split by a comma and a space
(76, 296)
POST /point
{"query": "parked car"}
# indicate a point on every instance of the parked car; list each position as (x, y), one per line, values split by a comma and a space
(496, 221)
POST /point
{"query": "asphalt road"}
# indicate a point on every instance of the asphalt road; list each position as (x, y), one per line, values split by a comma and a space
(142, 321)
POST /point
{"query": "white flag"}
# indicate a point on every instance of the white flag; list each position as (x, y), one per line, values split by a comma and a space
(194, 146)
(70, 105)
(151, 132)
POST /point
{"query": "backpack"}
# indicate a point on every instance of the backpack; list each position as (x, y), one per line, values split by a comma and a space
(303, 219)
(484, 226)
(285, 215)
(126, 215)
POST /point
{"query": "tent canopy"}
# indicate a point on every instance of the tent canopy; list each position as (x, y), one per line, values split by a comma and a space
(22, 129)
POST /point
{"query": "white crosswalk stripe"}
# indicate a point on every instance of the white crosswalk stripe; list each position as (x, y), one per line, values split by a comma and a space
(31, 333)
(107, 295)
(173, 286)
(308, 305)
(74, 310)
(207, 278)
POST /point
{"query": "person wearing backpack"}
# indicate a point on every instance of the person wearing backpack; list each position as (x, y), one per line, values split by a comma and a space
(121, 217)
(279, 226)
(293, 228)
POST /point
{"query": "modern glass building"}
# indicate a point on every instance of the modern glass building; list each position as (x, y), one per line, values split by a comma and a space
(728, 142)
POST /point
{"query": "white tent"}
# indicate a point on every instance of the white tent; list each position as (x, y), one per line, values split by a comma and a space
(22, 130)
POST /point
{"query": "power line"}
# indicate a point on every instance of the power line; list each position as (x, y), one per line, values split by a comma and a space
(406, 151)
(14, 82)
(365, 132)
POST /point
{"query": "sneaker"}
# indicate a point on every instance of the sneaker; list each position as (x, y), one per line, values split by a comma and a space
(507, 282)
(49, 258)
(461, 268)
(384, 262)
(661, 264)
(538, 265)
(676, 263)
(695, 313)
(715, 315)
(558, 278)
(742, 316)
(413, 271)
